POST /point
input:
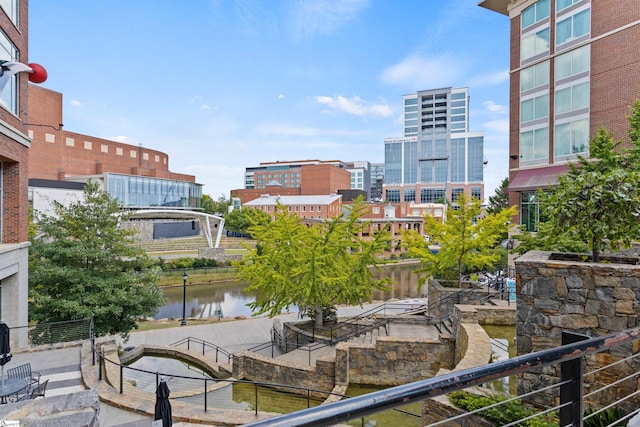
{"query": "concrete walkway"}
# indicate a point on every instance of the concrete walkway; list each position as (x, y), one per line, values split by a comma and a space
(62, 365)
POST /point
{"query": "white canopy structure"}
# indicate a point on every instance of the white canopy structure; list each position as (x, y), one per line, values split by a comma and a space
(205, 220)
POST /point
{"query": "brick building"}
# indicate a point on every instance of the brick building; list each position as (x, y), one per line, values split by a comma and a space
(139, 177)
(575, 68)
(14, 147)
(296, 178)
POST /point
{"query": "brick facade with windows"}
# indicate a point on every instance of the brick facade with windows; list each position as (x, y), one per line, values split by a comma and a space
(14, 149)
(611, 38)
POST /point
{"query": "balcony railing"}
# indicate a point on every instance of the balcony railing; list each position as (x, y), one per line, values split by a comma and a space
(569, 410)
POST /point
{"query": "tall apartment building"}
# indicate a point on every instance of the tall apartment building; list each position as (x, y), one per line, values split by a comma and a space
(437, 158)
(575, 67)
(14, 147)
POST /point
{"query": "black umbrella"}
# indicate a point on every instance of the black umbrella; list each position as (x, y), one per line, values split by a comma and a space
(5, 347)
(163, 407)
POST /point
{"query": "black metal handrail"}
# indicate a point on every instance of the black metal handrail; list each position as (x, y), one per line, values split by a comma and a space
(570, 357)
(309, 393)
(206, 345)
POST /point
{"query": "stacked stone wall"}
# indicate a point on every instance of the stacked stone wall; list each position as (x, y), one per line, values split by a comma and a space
(396, 360)
(255, 367)
(581, 297)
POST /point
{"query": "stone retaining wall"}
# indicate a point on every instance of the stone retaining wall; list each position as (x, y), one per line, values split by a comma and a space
(437, 293)
(582, 297)
(255, 367)
(394, 361)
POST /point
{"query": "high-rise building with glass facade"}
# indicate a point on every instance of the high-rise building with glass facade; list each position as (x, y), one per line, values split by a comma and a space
(437, 157)
(575, 67)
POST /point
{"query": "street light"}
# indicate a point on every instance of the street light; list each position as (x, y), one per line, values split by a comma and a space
(184, 298)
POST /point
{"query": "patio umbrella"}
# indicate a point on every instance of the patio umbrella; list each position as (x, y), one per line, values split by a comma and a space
(5, 347)
(163, 407)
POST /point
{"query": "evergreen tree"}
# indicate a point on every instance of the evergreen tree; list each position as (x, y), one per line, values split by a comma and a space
(83, 265)
(500, 199)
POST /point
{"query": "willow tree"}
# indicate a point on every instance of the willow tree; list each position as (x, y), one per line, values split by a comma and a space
(465, 240)
(313, 266)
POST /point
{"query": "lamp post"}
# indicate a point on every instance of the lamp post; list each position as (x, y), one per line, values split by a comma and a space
(184, 298)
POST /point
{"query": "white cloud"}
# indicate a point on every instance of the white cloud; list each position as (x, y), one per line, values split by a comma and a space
(280, 96)
(417, 71)
(494, 108)
(323, 16)
(205, 107)
(355, 106)
(75, 103)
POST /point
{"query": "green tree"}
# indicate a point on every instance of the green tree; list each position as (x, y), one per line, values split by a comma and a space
(596, 205)
(216, 207)
(315, 266)
(466, 241)
(598, 200)
(240, 220)
(83, 265)
(500, 199)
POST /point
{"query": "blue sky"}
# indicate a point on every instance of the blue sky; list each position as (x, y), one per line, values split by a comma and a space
(220, 85)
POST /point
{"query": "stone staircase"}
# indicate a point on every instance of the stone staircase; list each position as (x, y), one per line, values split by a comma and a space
(370, 336)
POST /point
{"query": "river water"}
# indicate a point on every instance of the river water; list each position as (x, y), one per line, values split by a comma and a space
(229, 299)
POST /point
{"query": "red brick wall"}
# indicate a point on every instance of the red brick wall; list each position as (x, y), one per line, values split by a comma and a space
(615, 65)
(323, 179)
(52, 160)
(13, 154)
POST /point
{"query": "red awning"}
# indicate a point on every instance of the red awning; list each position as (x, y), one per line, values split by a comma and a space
(538, 178)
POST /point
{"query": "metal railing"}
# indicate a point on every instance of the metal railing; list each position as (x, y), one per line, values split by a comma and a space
(203, 390)
(205, 345)
(568, 412)
(51, 333)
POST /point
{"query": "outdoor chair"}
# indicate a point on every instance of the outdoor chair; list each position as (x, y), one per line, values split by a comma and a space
(24, 371)
(37, 391)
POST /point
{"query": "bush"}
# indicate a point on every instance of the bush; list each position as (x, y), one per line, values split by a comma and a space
(503, 414)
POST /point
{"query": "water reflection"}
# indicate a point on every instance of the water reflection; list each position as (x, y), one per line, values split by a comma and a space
(229, 298)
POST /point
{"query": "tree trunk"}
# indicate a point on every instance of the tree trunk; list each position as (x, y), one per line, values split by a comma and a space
(319, 319)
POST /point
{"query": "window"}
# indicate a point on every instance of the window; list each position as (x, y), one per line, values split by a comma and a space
(571, 63)
(393, 196)
(311, 208)
(11, 9)
(563, 4)
(432, 195)
(8, 52)
(459, 95)
(409, 195)
(529, 211)
(573, 27)
(476, 193)
(535, 13)
(534, 145)
(456, 193)
(411, 101)
(534, 108)
(319, 208)
(458, 104)
(304, 209)
(571, 138)
(572, 98)
(534, 44)
(534, 76)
